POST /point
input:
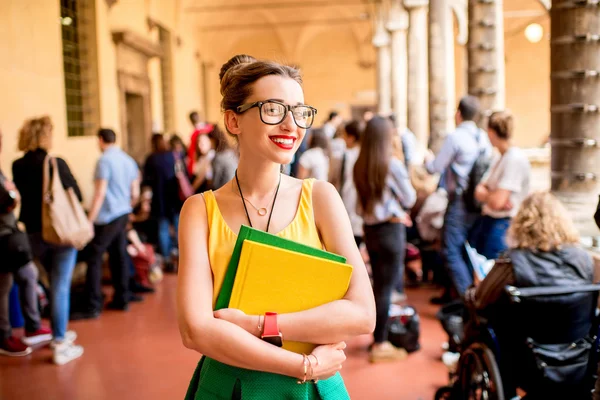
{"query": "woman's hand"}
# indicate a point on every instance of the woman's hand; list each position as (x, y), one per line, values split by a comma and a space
(330, 359)
(247, 322)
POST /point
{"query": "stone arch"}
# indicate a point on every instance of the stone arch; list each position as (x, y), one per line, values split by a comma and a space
(310, 31)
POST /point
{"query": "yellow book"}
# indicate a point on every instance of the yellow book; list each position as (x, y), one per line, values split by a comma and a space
(282, 281)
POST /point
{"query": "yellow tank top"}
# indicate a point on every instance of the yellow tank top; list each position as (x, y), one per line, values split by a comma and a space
(221, 239)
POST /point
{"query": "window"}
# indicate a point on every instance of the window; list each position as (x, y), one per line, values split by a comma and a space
(80, 66)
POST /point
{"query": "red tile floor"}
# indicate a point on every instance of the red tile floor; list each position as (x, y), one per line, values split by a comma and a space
(138, 355)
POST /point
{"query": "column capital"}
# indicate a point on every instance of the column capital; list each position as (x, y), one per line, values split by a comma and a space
(381, 38)
(397, 17)
(460, 9)
(415, 3)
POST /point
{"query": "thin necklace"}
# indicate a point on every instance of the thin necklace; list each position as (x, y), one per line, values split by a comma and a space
(244, 200)
(262, 211)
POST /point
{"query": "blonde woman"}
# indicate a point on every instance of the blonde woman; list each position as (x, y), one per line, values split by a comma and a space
(35, 139)
(543, 251)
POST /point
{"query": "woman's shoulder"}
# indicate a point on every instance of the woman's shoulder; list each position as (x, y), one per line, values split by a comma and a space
(324, 193)
(194, 206)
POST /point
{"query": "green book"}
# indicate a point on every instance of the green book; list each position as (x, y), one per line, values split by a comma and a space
(254, 235)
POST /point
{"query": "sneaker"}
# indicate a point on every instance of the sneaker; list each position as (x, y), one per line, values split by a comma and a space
(386, 352)
(70, 337)
(41, 335)
(66, 352)
(14, 347)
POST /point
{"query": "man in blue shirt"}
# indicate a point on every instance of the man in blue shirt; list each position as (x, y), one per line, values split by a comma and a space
(116, 188)
(455, 160)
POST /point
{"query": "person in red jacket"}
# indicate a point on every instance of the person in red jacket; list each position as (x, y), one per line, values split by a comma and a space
(200, 128)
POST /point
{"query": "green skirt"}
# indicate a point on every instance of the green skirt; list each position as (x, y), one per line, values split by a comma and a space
(215, 380)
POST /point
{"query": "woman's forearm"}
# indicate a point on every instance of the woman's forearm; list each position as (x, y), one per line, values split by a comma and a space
(232, 345)
(333, 322)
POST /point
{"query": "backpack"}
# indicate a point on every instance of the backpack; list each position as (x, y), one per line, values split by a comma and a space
(480, 166)
(404, 328)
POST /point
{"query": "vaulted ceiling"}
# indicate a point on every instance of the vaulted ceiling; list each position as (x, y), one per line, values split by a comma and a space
(293, 23)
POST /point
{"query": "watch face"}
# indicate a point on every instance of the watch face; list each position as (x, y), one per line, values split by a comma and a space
(274, 340)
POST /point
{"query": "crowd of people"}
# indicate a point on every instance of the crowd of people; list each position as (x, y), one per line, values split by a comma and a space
(373, 201)
(133, 214)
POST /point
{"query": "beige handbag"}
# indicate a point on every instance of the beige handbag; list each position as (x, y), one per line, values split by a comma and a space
(63, 220)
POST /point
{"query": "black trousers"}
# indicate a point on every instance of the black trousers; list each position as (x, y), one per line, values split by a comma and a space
(112, 238)
(386, 244)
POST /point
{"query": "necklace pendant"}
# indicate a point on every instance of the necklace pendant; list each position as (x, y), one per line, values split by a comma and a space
(262, 211)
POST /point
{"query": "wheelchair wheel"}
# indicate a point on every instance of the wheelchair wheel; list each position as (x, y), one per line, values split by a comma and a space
(478, 375)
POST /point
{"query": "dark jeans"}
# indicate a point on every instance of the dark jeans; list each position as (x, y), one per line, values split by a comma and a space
(386, 244)
(491, 232)
(112, 238)
(458, 224)
(26, 279)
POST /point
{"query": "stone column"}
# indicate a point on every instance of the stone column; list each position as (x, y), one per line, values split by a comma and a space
(397, 26)
(418, 79)
(486, 53)
(441, 72)
(575, 106)
(381, 40)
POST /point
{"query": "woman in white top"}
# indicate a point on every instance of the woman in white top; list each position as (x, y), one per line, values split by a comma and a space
(314, 162)
(352, 134)
(503, 189)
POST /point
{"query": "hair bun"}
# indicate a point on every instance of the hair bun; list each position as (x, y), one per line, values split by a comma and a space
(235, 61)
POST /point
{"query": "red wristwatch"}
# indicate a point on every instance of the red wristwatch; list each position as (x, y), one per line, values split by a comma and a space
(271, 332)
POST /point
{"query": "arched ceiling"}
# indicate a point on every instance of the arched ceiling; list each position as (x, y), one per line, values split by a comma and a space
(294, 23)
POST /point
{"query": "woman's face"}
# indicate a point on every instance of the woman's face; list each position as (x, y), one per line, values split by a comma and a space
(350, 140)
(276, 143)
(204, 144)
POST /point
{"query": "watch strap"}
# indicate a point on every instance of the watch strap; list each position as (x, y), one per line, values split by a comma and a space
(270, 326)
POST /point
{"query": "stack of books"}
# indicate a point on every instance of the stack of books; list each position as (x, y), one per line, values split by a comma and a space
(268, 273)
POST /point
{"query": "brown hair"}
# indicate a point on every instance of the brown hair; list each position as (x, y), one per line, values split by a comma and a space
(543, 224)
(36, 133)
(158, 143)
(502, 123)
(373, 163)
(240, 72)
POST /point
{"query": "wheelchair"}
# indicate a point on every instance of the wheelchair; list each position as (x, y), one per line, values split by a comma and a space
(553, 356)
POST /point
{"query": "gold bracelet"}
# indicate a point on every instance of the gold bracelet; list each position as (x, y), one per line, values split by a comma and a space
(310, 369)
(259, 327)
(305, 362)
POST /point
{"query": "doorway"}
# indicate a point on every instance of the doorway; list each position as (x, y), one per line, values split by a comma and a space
(135, 125)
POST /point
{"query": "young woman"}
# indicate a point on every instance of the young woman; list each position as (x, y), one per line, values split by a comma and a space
(225, 162)
(504, 188)
(264, 109)
(314, 163)
(384, 193)
(35, 139)
(205, 153)
(352, 136)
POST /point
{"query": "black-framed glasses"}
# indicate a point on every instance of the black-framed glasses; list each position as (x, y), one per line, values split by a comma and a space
(274, 112)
